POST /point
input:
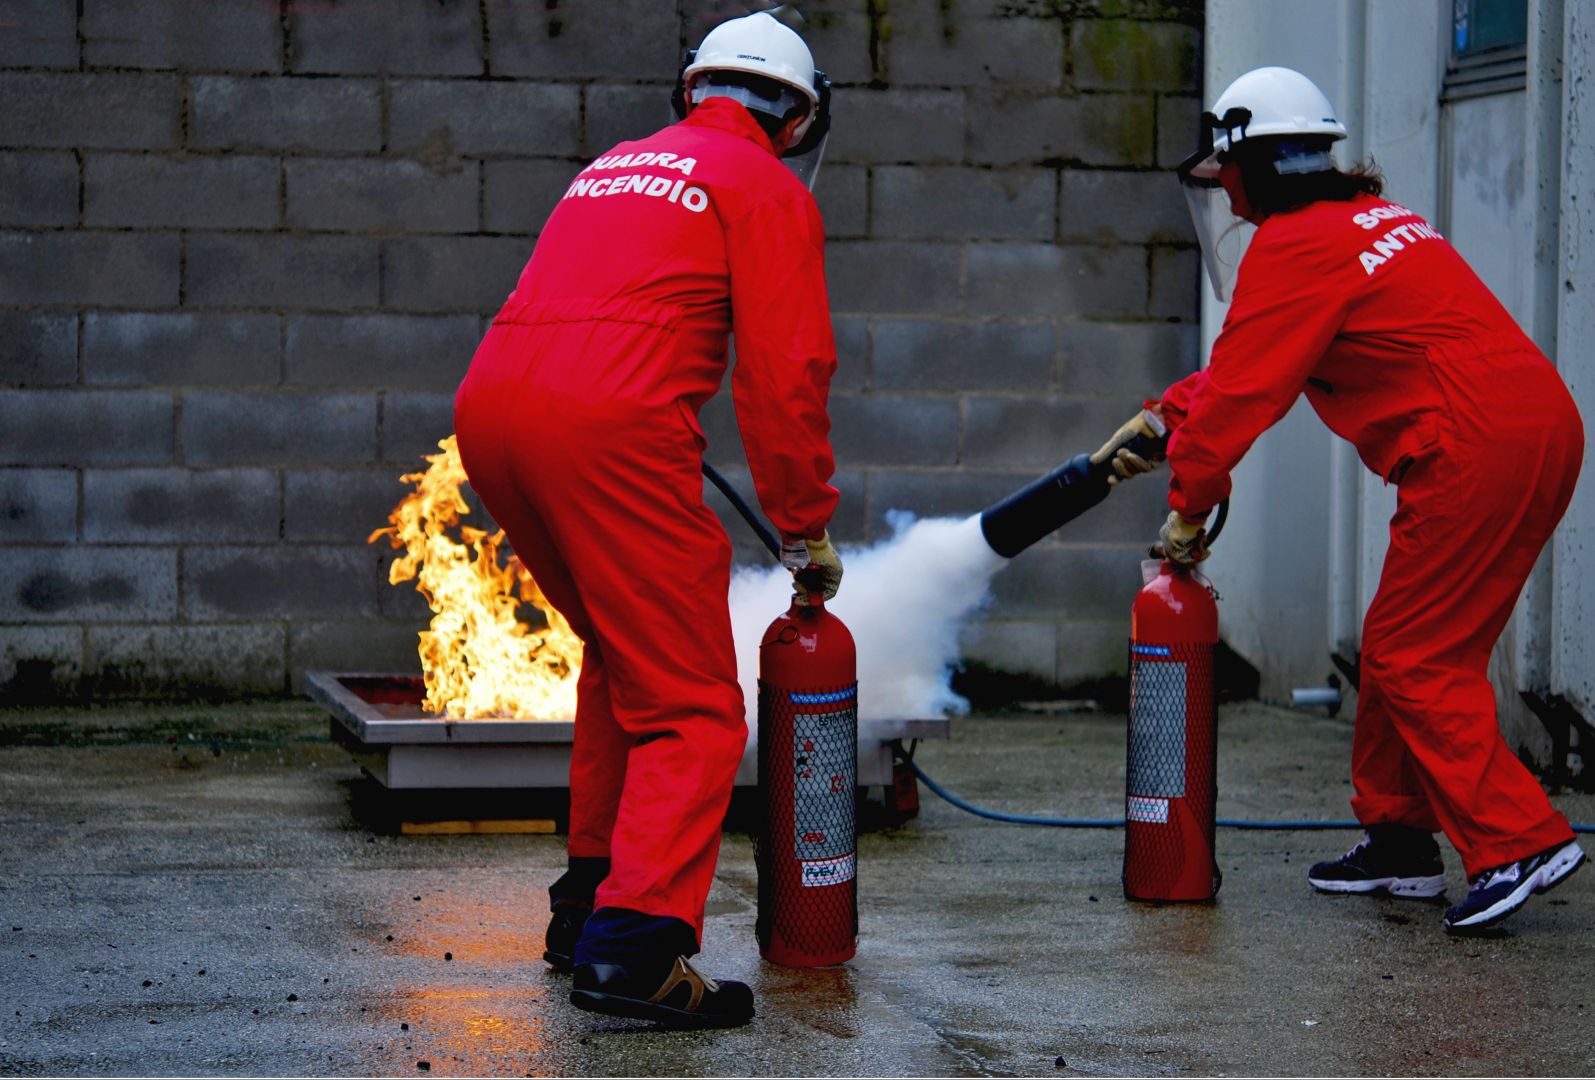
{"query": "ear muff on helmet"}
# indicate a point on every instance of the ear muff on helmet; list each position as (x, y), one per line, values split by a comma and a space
(678, 96)
(820, 126)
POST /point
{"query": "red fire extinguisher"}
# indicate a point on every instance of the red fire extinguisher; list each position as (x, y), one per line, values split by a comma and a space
(1172, 783)
(808, 766)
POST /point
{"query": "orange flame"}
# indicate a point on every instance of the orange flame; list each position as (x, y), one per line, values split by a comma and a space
(478, 658)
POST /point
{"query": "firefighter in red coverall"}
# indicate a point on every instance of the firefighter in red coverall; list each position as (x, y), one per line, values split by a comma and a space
(1360, 304)
(578, 426)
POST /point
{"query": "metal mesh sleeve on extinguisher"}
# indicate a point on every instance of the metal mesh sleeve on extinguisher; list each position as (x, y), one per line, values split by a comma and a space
(806, 847)
(1172, 777)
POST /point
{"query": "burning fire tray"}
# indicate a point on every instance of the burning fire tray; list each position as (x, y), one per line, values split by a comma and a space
(378, 718)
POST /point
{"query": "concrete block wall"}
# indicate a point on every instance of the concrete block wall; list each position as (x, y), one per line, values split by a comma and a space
(247, 250)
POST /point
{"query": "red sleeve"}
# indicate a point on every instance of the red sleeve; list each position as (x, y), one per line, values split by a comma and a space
(1290, 300)
(785, 357)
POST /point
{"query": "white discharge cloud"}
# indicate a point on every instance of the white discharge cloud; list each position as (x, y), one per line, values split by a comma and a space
(905, 600)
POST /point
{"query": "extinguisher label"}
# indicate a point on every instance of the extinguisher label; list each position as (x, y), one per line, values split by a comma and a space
(824, 763)
(819, 872)
(1157, 729)
(1142, 809)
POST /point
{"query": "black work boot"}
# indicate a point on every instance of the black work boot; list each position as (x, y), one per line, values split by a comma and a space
(683, 998)
(1394, 859)
(571, 898)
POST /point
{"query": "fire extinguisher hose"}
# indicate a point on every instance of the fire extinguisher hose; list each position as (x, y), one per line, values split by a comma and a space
(1118, 823)
(740, 505)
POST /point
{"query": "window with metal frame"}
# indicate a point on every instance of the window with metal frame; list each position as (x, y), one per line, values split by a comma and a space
(1489, 48)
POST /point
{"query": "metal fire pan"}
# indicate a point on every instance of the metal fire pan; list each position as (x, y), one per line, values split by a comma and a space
(378, 718)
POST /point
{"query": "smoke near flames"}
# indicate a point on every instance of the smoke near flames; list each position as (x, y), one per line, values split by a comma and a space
(905, 599)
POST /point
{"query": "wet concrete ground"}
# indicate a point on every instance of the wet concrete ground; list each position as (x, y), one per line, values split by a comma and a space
(186, 891)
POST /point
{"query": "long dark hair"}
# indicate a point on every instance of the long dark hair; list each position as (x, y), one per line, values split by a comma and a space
(1270, 192)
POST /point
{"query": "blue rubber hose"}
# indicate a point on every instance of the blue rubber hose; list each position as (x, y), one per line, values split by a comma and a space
(1118, 823)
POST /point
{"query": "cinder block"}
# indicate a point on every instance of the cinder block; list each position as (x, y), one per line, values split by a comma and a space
(340, 506)
(400, 602)
(916, 127)
(1069, 583)
(1014, 648)
(894, 429)
(1088, 651)
(38, 506)
(1103, 207)
(624, 112)
(143, 348)
(393, 39)
(962, 203)
(1127, 361)
(852, 354)
(39, 188)
(283, 581)
(627, 38)
(38, 349)
(412, 424)
(317, 273)
(925, 354)
(1133, 54)
(39, 664)
(40, 34)
(285, 114)
(165, 506)
(931, 44)
(89, 268)
(229, 35)
(1175, 284)
(719, 422)
(477, 117)
(183, 192)
(90, 111)
(423, 352)
(89, 584)
(366, 645)
(1053, 281)
(85, 427)
(452, 273)
(168, 661)
(881, 277)
(1010, 128)
(1176, 128)
(518, 196)
(838, 33)
(1034, 432)
(225, 428)
(939, 493)
(344, 195)
(843, 197)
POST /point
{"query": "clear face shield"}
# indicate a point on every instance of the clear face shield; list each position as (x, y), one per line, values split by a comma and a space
(1223, 237)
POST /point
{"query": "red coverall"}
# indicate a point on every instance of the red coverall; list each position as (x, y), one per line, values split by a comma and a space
(1402, 351)
(577, 424)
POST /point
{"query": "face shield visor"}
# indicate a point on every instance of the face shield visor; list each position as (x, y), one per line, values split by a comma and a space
(1222, 236)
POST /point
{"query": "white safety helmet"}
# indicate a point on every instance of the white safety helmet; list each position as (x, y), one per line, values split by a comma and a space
(1288, 121)
(761, 45)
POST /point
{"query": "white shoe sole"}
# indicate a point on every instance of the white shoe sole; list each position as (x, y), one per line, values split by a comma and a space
(1416, 888)
(1569, 858)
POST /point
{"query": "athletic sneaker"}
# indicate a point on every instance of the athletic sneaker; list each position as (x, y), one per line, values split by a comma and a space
(1394, 859)
(679, 996)
(1497, 893)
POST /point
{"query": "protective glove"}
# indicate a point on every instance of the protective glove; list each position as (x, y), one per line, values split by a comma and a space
(798, 553)
(1126, 463)
(1184, 541)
